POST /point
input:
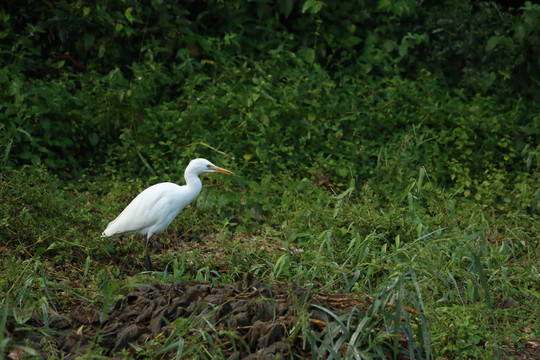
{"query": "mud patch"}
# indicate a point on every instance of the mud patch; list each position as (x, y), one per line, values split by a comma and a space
(263, 317)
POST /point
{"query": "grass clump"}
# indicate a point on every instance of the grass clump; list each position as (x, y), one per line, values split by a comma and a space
(36, 207)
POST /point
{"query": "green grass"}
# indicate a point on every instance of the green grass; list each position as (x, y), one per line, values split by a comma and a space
(450, 258)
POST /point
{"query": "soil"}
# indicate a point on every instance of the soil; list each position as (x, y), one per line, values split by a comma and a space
(261, 315)
(530, 351)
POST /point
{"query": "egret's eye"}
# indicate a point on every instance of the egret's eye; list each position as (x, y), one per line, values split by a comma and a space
(208, 166)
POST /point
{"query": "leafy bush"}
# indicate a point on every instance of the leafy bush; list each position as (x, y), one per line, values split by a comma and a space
(68, 116)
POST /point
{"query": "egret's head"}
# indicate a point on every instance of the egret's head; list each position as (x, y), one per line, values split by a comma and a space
(201, 166)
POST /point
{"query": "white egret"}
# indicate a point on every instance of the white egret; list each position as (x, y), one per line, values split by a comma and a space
(154, 209)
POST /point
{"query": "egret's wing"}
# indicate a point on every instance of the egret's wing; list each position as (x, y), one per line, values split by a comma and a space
(153, 206)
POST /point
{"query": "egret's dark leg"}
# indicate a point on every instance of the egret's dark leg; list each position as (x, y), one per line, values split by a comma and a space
(147, 261)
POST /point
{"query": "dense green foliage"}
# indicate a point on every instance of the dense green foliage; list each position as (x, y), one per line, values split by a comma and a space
(397, 138)
(81, 82)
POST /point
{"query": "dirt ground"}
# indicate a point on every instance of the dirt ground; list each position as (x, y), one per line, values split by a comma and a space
(261, 316)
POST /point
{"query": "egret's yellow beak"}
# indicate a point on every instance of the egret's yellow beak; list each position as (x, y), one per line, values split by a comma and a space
(221, 170)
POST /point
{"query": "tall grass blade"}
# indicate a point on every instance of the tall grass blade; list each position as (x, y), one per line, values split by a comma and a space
(45, 313)
(431, 233)
(86, 267)
(46, 286)
(3, 346)
(146, 164)
(22, 292)
(178, 269)
(413, 348)
(327, 342)
(420, 181)
(3, 320)
(456, 286)
(335, 317)
(75, 293)
(350, 284)
(349, 191)
(106, 290)
(209, 340)
(28, 350)
(535, 200)
(7, 151)
(397, 314)
(179, 349)
(478, 269)
(425, 338)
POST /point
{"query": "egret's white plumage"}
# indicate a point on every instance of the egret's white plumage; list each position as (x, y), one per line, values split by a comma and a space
(154, 209)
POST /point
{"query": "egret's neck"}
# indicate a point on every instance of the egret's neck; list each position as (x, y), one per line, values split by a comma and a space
(193, 182)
